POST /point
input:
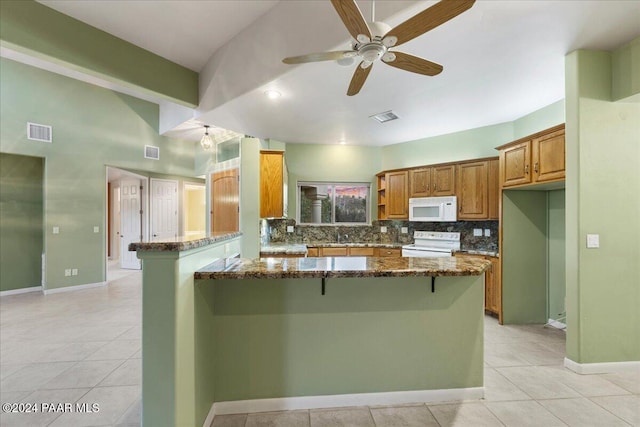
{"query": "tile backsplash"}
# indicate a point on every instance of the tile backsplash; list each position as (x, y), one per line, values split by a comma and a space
(275, 231)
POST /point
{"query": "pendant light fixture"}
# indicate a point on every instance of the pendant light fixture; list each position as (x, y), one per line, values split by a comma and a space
(206, 141)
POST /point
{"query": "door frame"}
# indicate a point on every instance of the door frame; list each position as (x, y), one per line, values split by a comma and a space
(116, 173)
(185, 186)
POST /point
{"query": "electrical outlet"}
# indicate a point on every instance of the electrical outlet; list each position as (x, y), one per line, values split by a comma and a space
(487, 232)
(67, 272)
(383, 229)
(404, 230)
(96, 229)
(56, 230)
(289, 228)
(477, 232)
(74, 272)
(593, 241)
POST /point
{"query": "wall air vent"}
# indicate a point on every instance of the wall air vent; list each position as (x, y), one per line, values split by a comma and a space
(387, 116)
(151, 152)
(38, 132)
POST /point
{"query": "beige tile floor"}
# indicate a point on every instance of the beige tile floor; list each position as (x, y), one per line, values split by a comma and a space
(84, 346)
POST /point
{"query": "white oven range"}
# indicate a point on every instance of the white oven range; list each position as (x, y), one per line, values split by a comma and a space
(432, 244)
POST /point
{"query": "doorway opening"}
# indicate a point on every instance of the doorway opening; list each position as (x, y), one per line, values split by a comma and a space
(127, 219)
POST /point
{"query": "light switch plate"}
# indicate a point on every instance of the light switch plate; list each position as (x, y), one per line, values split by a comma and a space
(383, 229)
(56, 230)
(96, 229)
(289, 228)
(74, 272)
(593, 241)
(477, 232)
(67, 272)
(404, 230)
(487, 232)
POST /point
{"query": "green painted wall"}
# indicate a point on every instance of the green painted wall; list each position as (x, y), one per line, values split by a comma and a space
(319, 162)
(281, 338)
(468, 144)
(30, 27)
(556, 244)
(21, 221)
(602, 197)
(92, 127)
(541, 119)
(626, 78)
(250, 196)
(524, 257)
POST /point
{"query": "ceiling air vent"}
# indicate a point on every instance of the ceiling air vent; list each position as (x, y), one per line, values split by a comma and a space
(38, 132)
(151, 152)
(387, 116)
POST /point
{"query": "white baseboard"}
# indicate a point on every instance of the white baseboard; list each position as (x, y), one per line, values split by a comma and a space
(342, 400)
(600, 368)
(556, 324)
(20, 291)
(74, 288)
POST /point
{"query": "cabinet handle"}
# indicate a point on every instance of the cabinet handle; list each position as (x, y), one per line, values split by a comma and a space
(526, 169)
(435, 186)
(535, 167)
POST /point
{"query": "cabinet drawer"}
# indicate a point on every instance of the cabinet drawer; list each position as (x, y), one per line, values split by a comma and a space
(389, 252)
(333, 251)
(361, 251)
(312, 252)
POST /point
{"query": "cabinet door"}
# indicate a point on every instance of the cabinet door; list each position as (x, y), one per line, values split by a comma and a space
(397, 195)
(271, 185)
(361, 251)
(493, 190)
(515, 164)
(389, 252)
(443, 182)
(342, 251)
(472, 201)
(549, 157)
(493, 303)
(420, 182)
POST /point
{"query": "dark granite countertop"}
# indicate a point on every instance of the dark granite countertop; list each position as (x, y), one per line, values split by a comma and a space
(478, 252)
(183, 243)
(301, 248)
(333, 267)
(284, 249)
(353, 245)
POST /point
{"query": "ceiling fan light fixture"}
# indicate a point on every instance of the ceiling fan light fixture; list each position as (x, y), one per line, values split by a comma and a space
(206, 142)
(384, 117)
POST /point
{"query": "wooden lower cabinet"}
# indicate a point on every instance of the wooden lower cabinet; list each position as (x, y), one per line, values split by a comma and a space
(353, 251)
(492, 285)
(388, 252)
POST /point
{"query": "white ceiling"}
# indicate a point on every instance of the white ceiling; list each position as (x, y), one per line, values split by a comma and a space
(502, 60)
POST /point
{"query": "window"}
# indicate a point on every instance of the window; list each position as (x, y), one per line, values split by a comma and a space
(227, 150)
(333, 203)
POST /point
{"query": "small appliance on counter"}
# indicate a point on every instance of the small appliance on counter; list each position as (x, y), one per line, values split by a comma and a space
(433, 209)
(432, 244)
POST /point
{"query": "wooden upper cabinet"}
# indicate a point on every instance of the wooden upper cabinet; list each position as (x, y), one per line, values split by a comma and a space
(271, 184)
(397, 194)
(535, 159)
(473, 191)
(493, 190)
(420, 182)
(549, 157)
(443, 180)
(515, 164)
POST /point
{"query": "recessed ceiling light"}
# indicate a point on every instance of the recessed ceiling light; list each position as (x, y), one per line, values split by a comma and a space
(272, 94)
(386, 116)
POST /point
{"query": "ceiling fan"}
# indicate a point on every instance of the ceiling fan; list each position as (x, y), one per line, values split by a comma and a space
(375, 40)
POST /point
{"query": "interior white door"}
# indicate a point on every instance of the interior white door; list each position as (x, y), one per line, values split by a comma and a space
(164, 209)
(130, 222)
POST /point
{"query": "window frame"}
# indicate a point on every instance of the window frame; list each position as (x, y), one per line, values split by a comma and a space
(333, 184)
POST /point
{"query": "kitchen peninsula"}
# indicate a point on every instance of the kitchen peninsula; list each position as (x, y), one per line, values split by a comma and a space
(274, 333)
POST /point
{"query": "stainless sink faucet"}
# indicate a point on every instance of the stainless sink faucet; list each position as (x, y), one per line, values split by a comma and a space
(344, 236)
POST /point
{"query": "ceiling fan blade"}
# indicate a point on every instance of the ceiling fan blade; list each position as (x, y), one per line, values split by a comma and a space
(352, 18)
(358, 79)
(428, 19)
(407, 62)
(320, 56)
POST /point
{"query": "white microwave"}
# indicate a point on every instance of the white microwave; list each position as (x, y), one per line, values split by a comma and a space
(433, 209)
